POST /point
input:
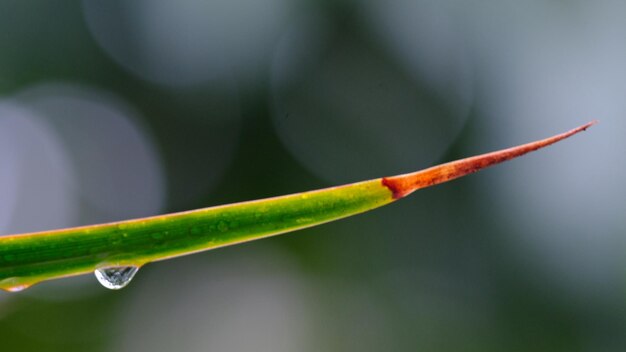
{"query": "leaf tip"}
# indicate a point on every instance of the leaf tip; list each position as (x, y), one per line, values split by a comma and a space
(403, 185)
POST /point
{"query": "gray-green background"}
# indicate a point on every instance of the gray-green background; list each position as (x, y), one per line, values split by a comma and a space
(111, 110)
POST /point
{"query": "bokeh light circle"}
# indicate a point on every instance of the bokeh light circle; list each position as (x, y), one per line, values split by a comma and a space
(120, 173)
(38, 178)
(347, 112)
(188, 42)
(561, 210)
(247, 303)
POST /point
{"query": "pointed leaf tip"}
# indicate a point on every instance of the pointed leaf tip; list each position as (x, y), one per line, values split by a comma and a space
(403, 185)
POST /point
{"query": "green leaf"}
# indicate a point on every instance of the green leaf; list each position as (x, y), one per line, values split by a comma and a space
(114, 250)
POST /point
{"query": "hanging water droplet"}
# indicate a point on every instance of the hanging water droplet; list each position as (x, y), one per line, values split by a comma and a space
(17, 288)
(115, 277)
(15, 284)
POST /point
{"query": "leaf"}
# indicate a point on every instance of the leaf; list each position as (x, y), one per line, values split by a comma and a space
(121, 247)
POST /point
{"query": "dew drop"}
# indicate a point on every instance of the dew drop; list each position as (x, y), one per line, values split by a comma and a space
(115, 277)
(15, 284)
(17, 288)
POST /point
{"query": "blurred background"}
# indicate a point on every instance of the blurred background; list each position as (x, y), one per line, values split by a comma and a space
(111, 110)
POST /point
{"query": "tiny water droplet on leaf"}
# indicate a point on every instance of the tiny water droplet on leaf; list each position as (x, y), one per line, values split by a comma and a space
(17, 288)
(116, 277)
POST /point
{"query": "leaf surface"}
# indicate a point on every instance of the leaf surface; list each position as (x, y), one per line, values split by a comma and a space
(26, 259)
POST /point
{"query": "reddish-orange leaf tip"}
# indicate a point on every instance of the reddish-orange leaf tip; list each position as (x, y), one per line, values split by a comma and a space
(403, 185)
